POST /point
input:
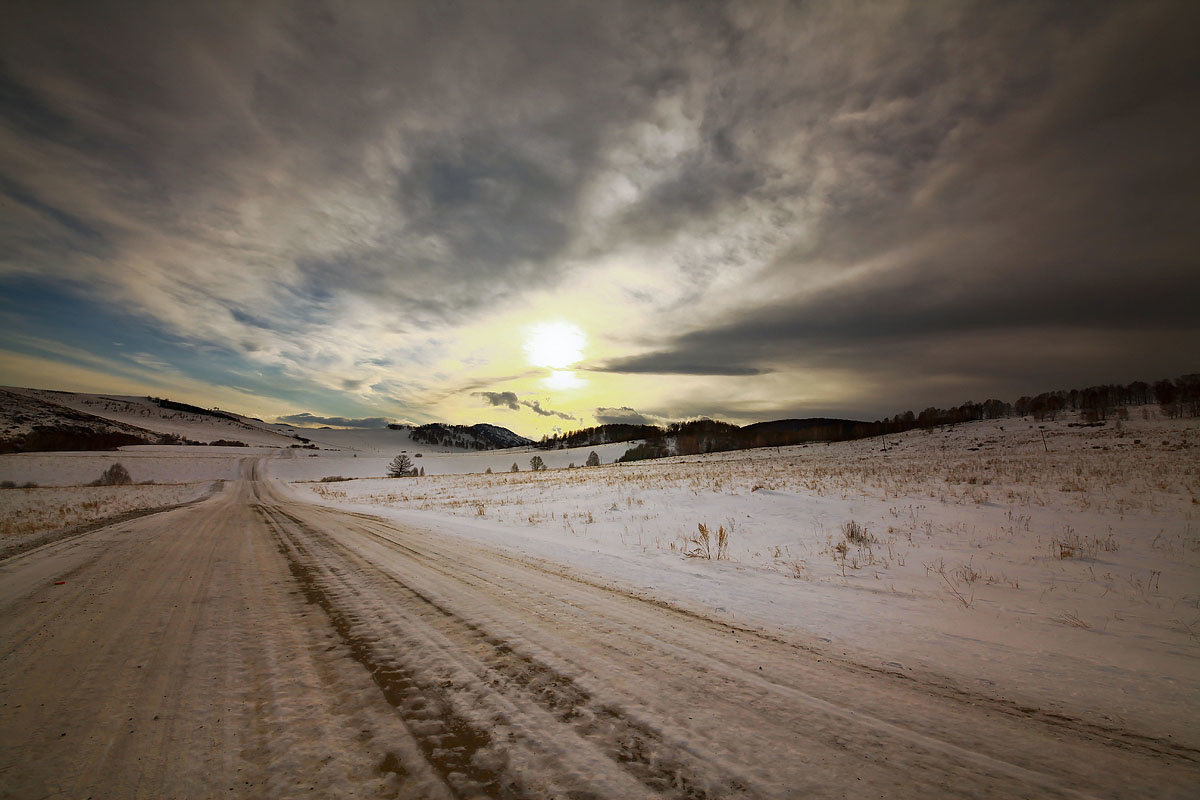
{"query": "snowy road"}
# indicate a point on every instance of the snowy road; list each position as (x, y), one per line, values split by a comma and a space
(257, 646)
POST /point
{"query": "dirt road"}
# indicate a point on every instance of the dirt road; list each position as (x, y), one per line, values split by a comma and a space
(256, 646)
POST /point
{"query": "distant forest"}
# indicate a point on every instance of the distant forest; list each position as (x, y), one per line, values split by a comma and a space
(445, 435)
(467, 437)
(1177, 398)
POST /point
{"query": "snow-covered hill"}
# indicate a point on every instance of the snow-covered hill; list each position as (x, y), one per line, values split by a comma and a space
(157, 418)
(38, 420)
(29, 423)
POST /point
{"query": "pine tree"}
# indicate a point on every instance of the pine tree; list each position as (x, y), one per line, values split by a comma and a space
(593, 460)
(536, 463)
(515, 468)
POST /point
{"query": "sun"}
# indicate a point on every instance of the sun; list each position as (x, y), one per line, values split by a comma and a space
(554, 345)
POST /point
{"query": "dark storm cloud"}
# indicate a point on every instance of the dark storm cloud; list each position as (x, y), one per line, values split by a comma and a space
(980, 192)
(536, 407)
(431, 156)
(506, 399)
(510, 400)
(624, 414)
(307, 420)
(1044, 196)
(685, 359)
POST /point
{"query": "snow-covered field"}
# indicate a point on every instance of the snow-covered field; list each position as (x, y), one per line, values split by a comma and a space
(26, 513)
(149, 463)
(1065, 571)
(372, 460)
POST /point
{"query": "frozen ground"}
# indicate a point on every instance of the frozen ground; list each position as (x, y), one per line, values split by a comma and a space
(1063, 571)
(256, 646)
(1009, 618)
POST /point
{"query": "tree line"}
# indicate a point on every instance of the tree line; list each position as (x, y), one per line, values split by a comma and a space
(1175, 398)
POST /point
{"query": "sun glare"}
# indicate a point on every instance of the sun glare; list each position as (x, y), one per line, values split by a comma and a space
(555, 345)
(562, 379)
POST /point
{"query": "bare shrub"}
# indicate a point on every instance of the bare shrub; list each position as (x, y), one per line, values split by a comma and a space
(1072, 545)
(116, 475)
(858, 534)
(840, 550)
(966, 573)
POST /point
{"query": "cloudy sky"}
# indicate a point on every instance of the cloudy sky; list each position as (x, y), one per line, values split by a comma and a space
(547, 215)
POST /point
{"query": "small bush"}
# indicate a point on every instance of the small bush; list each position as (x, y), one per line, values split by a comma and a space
(7, 485)
(116, 475)
(858, 534)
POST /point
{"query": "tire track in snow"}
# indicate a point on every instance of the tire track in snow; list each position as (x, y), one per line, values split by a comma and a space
(662, 767)
(449, 742)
